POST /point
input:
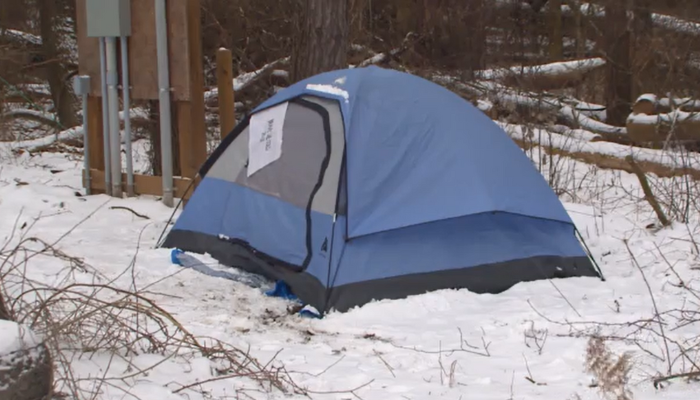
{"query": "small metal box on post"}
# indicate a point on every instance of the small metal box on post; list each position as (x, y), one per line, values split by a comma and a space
(109, 20)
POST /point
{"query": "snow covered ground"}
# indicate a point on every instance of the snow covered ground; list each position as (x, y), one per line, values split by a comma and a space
(527, 343)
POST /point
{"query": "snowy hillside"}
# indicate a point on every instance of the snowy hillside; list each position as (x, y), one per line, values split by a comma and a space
(89, 263)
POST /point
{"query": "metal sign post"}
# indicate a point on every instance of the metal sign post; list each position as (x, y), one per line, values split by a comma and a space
(81, 87)
(161, 60)
(109, 20)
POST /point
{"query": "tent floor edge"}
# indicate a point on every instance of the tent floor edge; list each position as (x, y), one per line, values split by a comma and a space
(305, 286)
(490, 278)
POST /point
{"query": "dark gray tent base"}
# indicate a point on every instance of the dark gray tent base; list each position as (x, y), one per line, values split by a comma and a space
(491, 278)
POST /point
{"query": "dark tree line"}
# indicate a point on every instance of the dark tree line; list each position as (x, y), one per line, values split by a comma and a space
(455, 35)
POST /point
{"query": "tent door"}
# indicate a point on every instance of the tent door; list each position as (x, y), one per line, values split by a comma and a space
(297, 177)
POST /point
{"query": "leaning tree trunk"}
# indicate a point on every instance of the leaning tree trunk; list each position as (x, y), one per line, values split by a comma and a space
(322, 40)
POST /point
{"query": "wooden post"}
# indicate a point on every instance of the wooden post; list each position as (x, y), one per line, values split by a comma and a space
(192, 133)
(95, 138)
(224, 78)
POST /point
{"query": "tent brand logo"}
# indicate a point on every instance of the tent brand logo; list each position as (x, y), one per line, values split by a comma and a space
(324, 246)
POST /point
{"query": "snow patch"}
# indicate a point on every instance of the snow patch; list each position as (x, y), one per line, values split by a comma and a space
(650, 97)
(551, 69)
(14, 336)
(675, 116)
(588, 123)
(22, 36)
(330, 89)
(484, 105)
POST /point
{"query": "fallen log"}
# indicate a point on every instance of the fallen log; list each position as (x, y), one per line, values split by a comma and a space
(665, 22)
(73, 136)
(526, 103)
(43, 118)
(605, 161)
(246, 79)
(556, 75)
(644, 124)
(606, 155)
(379, 58)
(19, 38)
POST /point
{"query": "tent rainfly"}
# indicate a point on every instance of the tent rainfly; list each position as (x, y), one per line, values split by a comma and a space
(367, 184)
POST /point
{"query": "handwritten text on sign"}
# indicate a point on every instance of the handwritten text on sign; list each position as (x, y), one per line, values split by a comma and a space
(265, 139)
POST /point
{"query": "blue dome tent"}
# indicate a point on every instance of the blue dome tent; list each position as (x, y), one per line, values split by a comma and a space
(366, 184)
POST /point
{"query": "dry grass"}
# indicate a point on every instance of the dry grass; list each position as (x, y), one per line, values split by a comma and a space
(665, 341)
(611, 372)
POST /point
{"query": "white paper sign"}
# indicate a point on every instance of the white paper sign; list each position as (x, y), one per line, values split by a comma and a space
(265, 139)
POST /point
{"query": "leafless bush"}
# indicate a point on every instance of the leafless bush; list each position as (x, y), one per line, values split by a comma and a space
(447, 373)
(96, 317)
(535, 338)
(89, 318)
(668, 339)
(678, 196)
(563, 174)
(675, 198)
(560, 172)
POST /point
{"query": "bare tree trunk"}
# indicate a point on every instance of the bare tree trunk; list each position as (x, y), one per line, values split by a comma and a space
(405, 17)
(556, 43)
(357, 19)
(580, 33)
(617, 49)
(13, 14)
(4, 13)
(644, 60)
(476, 35)
(322, 41)
(55, 71)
